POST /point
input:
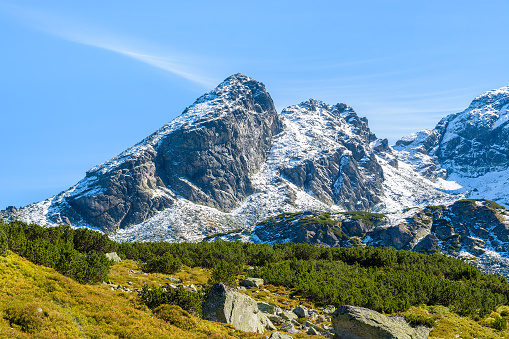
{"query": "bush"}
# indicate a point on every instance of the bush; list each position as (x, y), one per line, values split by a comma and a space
(176, 316)
(225, 273)
(166, 263)
(3, 243)
(29, 318)
(499, 324)
(156, 296)
(420, 320)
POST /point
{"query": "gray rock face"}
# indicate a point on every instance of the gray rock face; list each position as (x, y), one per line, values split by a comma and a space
(206, 156)
(352, 322)
(117, 198)
(471, 143)
(226, 305)
(210, 162)
(346, 171)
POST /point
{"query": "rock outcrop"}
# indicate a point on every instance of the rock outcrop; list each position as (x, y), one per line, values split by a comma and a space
(352, 322)
(465, 227)
(330, 154)
(227, 305)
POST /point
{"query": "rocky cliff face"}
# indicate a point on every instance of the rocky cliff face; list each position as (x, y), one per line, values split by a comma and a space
(231, 161)
(331, 155)
(206, 156)
(473, 230)
(470, 148)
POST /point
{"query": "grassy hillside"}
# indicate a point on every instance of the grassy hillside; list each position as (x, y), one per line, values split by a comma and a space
(41, 302)
(38, 302)
(73, 310)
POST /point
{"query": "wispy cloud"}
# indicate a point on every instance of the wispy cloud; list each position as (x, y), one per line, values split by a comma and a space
(177, 63)
(170, 64)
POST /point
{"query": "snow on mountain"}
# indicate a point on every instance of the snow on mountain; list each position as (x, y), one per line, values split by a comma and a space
(230, 161)
(470, 148)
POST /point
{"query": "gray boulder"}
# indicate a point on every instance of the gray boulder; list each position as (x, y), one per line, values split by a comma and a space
(225, 304)
(269, 308)
(289, 328)
(113, 256)
(301, 311)
(288, 315)
(352, 322)
(279, 335)
(252, 282)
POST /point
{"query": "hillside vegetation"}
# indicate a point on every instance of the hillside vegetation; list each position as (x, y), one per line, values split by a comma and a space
(37, 301)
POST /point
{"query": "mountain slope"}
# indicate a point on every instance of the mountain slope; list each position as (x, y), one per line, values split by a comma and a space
(230, 161)
(470, 148)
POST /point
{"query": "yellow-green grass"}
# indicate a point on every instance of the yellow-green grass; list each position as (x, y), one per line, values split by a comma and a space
(71, 310)
(121, 274)
(451, 325)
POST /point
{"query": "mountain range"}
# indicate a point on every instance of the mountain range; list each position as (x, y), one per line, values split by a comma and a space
(230, 161)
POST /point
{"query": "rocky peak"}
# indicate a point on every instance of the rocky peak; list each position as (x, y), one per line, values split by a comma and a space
(497, 98)
(325, 150)
(470, 143)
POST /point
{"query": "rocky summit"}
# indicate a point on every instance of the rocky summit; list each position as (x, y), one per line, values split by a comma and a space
(230, 162)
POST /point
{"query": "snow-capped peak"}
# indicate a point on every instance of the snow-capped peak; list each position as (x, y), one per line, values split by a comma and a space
(209, 106)
(495, 96)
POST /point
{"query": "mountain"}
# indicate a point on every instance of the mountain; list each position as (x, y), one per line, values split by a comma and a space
(230, 161)
(470, 148)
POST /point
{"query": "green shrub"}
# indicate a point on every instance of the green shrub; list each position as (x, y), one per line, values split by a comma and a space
(166, 263)
(420, 320)
(366, 217)
(499, 324)
(3, 243)
(30, 318)
(176, 316)
(154, 297)
(225, 272)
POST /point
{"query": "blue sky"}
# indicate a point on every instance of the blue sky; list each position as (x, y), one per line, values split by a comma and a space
(82, 81)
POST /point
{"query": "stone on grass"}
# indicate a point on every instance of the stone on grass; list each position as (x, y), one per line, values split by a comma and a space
(227, 305)
(352, 322)
(252, 282)
(301, 311)
(279, 335)
(113, 256)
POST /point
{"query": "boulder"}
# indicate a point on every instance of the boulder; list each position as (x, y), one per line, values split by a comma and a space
(269, 308)
(301, 311)
(113, 256)
(352, 322)
(279, 335)
(288, 315)
(266, 322)
(227, 305)
(252, 282)
(289, 328)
